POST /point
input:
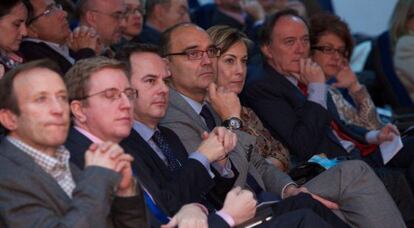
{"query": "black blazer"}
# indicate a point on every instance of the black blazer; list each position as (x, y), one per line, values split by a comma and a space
(165, 195)
(148, 35)
(189, 184)
(34, 51)
(302, 125)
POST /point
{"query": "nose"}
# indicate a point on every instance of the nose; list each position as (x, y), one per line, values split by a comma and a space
(240, 68)
(125, 102)
(23, 29)
(57, 106)
(164, 87)
(62, 13)
(205, 60)
(123, 23)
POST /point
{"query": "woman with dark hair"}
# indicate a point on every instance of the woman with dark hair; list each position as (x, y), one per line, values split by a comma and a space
(331, 47)
(13, 15)
(231, 75)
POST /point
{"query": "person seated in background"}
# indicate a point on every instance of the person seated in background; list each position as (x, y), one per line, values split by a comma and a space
(108, 18)
(39, 187)
(160, 15)
(49, 36)
(402, 38)
(231, 75)
(134, 20)
(331, 47)
(229, 12)
(289, 95)
(13, 16)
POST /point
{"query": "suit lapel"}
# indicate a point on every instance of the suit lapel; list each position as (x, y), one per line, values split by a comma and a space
(177, 101)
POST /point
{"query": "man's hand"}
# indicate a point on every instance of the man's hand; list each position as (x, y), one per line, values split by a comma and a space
(84, 37)
(346, 78)
(224, 102)
(292, 190)
(310, 72)
(217, 144)
(189, 216)
(240, 205)
(127, 187)
(387, 133)
(111, 156)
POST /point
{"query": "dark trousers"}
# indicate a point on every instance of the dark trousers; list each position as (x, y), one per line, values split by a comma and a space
(395, 176)
(305, 201)
(302, 218)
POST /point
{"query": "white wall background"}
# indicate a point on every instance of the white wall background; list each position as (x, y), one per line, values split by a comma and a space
(369, 17)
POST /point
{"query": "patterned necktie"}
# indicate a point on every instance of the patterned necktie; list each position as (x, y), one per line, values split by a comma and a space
(208, 117)
(161, 141)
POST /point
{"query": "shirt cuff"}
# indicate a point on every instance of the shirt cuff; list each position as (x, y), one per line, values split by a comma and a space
(226, 217)
(203, 160)
(317, 93)
(224, 171)
(372, 137)
(284, 188)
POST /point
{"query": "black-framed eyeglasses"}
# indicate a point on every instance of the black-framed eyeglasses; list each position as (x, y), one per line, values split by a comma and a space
(330, 50)
(132, 11)
(212, 52)
(113, 94)
(49, 9)
(119, 16)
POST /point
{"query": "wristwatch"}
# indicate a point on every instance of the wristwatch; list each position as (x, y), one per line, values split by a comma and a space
(233, 123)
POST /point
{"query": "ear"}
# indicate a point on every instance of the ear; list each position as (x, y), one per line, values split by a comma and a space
(77, 110)
(90, 18)
(265, 51)
(8, 119)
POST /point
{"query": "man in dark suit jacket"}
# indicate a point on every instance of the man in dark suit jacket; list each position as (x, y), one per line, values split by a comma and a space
(160, 15)
(39, 187)
(49, 36)
(301, 116)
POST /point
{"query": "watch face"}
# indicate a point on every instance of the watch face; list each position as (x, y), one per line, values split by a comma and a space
(234, 123)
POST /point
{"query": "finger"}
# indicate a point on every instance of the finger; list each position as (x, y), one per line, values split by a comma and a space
(220, 132)
(115, 151)
(93, 147)
(212, 90)
(204, 136)
(173, 223)
(121, 165)
(327, 203)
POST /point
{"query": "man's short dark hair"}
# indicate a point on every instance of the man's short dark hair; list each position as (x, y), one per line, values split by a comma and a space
(165, 40)
(127, 50)
(8, 98)
(150, 5)
(265, 33)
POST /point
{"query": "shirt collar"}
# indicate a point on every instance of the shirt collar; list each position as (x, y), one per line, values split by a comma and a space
(89, 135)
(48, 163)
(196, 106)
(143, 130)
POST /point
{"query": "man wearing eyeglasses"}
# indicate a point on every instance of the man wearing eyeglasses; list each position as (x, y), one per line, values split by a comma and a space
(49, 36)
(107, 17)
(289, 94)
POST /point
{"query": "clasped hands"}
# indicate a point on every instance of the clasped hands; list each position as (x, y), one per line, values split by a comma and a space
(111, 156)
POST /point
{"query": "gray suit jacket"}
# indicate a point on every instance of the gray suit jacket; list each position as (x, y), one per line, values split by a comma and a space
(29, 197)
(188, 125)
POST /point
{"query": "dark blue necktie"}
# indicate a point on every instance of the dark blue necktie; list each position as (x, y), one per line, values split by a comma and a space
(208, 117)
(161, 141)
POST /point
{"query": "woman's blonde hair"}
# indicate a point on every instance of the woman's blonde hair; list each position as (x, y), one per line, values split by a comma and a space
(403, 11)
(224, 37)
